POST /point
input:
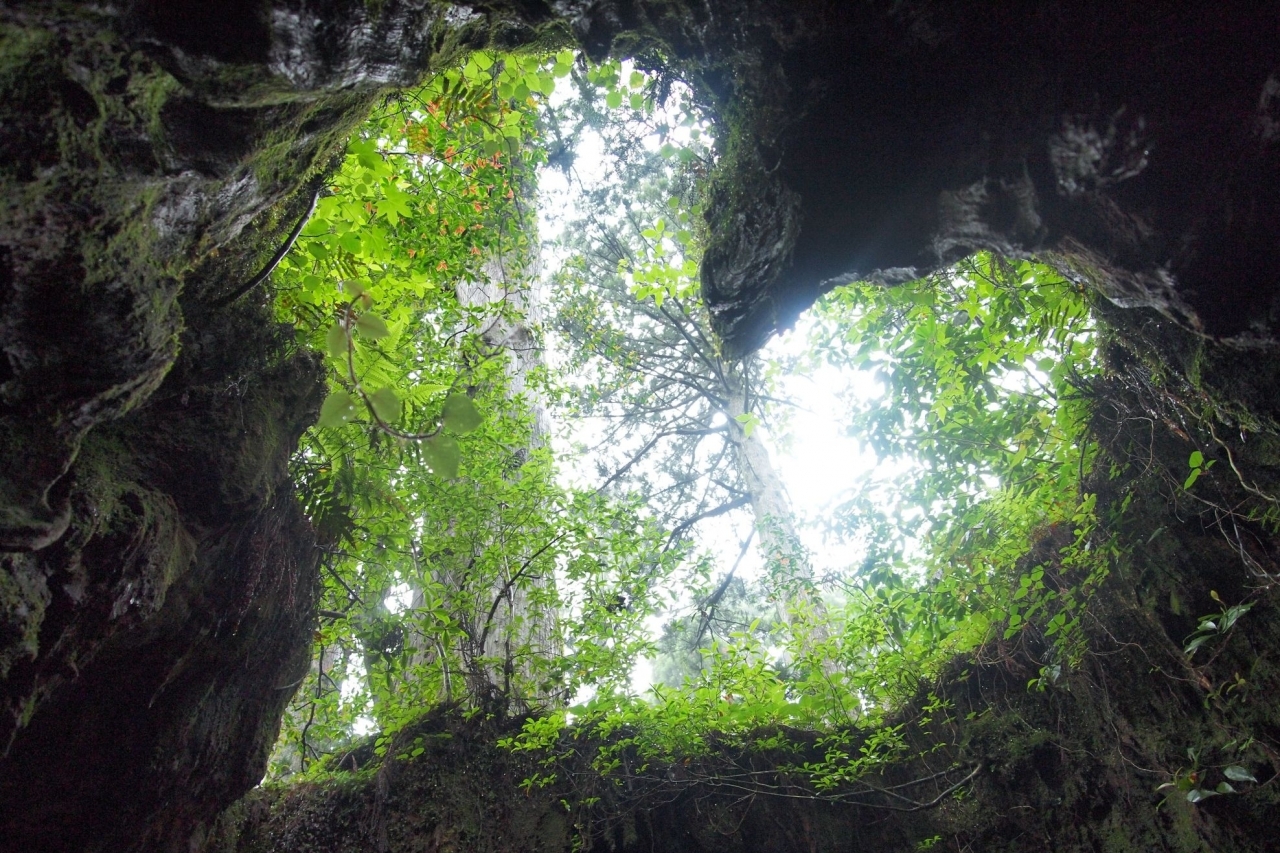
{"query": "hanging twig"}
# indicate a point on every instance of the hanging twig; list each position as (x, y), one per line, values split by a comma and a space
(277, 257)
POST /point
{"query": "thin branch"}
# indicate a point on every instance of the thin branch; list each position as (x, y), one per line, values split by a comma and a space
(709, 606)
(277, 257)
(703, 516)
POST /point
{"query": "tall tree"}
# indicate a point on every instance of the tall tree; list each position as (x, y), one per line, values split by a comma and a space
(680, 419)
(444, 526)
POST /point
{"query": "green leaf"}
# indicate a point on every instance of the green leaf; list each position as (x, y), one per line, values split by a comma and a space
(1232, 614)
(386, 405)
(1195, 795)
(367, 154)
(336, 340)
(1196, 643)
(460, 414)
(1019, 456)
(1191, 480)
(442, 455)
(749, 422)
(394, 203)
(316, 226)
(372, 326)
(1196, 460)
(1225, 788)
(338, 408)
(613, 100)
(350, 242)
(1236, 773)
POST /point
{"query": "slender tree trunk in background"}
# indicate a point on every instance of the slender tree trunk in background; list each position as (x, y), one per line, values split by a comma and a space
(510, 288)
(504, 617)
(513, 335)
(785, 558)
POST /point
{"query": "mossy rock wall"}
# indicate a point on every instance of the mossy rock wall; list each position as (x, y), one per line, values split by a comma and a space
(158, 583)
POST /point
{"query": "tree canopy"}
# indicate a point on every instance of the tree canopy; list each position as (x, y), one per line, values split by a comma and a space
(460, 566)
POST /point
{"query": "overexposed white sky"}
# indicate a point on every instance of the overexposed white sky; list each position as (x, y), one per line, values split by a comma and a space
(815, 456)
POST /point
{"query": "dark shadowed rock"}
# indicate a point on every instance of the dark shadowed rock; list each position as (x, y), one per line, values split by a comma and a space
(158, 583)
(1135, 148)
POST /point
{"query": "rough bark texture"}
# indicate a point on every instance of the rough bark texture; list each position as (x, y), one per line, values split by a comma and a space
(157, 577)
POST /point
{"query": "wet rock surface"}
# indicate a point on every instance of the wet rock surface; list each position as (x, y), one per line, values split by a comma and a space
(158, 580)
(1134, 148)
(156, 592)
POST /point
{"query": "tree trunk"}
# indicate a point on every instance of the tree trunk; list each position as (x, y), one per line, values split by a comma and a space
(504, 617)
(786, 561)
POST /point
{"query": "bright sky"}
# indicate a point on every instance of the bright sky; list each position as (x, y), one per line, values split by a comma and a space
(817, 460)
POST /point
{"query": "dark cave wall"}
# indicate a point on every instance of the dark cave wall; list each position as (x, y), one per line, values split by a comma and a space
(1133, 145)
(155, 598)
(177, 612)
(140, 139)
(158, 582)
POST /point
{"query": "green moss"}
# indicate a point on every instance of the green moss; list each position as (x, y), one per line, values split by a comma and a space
(291, 151)
(24, 595)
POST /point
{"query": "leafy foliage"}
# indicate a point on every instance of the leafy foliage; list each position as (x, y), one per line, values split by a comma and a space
(979, 372)
(676, 419)
(460, 570)
(981, 415)
(457, 569)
